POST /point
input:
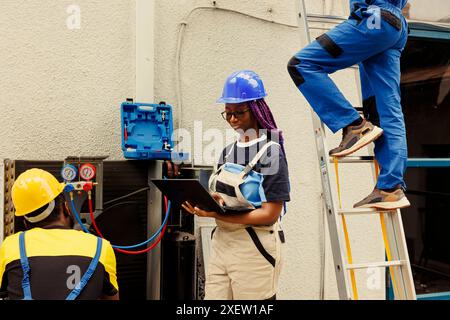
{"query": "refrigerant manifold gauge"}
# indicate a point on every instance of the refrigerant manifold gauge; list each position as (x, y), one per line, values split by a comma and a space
(69, 172)
(87, 172)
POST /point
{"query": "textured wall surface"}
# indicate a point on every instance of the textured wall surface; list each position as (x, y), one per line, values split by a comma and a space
(430, 10)
(61, 88)
(214, 44)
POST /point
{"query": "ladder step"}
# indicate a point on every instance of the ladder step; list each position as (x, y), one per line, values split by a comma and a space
(384, 264)
(363, 211)
(353, 159)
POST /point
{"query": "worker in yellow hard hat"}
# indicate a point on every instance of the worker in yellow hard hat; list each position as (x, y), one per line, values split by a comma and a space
(50, 260)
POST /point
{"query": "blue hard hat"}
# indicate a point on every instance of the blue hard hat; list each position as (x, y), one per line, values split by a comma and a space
(241, 86)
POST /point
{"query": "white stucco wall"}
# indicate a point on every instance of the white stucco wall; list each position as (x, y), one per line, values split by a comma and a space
(430, 10)
(61, 89)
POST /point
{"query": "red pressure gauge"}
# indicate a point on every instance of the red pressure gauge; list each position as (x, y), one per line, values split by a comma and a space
(87, 172)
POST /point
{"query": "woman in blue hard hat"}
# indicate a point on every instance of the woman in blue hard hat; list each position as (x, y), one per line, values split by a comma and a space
(246, 253)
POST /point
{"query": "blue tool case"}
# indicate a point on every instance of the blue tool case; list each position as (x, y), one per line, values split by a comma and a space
(147, 131)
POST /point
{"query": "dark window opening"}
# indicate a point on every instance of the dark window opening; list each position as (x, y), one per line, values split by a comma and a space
(426, 104)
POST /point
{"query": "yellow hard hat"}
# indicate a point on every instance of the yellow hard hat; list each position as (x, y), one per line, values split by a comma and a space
(34, 189)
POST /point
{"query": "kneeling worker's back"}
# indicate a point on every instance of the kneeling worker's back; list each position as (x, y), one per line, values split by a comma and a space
(58, 259)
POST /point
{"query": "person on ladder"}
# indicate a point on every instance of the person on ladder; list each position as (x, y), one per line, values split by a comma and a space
(50, 261)
(374, 37)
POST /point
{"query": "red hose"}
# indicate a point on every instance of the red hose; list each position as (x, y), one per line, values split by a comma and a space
(166, 203)
(94, 224)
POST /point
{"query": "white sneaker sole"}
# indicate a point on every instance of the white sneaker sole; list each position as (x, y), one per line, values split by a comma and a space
(364, 141)
(402, 203)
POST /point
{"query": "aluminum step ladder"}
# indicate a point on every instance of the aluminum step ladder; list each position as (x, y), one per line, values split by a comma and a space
(397, 259)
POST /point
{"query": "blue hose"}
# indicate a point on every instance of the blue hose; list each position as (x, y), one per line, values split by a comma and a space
(77, 217)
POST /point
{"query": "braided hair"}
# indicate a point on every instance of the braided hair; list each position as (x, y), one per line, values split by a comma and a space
(265, 120)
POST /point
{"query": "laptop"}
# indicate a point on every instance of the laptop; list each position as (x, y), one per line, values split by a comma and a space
(180, 190)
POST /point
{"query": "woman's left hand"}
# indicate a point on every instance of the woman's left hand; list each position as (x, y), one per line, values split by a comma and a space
(197, 211)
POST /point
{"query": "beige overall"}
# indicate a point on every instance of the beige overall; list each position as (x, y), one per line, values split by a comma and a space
(245, 261)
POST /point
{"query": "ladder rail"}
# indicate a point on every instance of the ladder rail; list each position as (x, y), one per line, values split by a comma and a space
(335, 236)
(396, 239)
(399, 251)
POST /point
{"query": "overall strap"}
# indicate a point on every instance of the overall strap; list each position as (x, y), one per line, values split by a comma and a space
(25, 268)
(89, 272)
(251, 164)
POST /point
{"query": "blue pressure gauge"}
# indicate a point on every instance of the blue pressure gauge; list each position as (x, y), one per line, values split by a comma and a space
(69, 172)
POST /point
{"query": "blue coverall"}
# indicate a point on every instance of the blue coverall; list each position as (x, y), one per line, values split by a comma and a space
(373, 37)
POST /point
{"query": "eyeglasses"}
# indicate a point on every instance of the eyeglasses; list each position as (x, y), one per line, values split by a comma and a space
(237, 114)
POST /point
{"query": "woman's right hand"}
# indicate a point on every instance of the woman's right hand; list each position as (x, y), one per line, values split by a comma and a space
(198, 212)
(218, 198)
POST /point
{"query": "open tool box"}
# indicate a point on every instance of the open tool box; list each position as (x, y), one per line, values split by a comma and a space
(147, 131)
